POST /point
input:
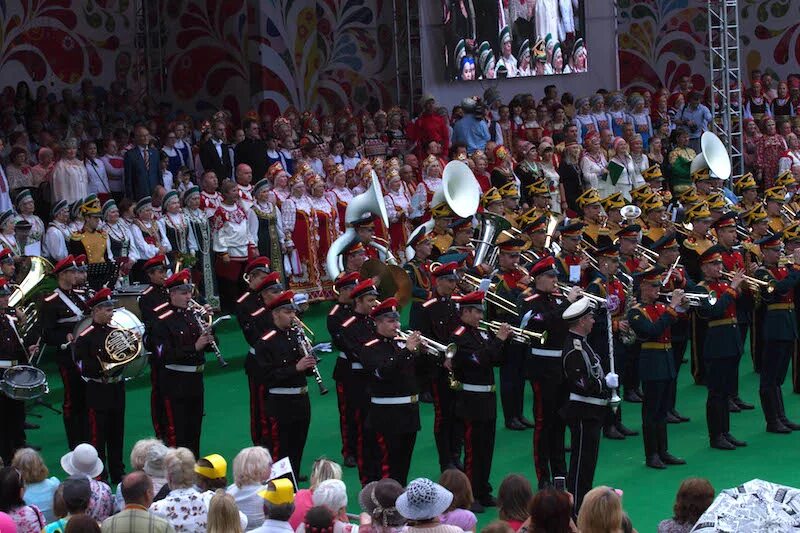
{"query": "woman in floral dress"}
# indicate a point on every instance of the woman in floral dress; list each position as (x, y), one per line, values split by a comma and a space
(299, 222)
(326, 216)
(265, 222)
(398, 205)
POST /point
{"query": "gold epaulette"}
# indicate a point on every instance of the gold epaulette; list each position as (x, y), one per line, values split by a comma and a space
(76, 236)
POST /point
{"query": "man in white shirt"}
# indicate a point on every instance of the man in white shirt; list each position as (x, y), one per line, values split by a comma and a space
(244, 179)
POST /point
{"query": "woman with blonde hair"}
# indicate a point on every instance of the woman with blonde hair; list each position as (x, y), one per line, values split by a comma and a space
(251, 469)
(193, 516)
(601, 511)
(223, 515)
(322, 470)
(39, 488)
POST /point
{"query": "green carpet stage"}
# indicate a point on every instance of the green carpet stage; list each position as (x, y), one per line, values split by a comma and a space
(648, 494)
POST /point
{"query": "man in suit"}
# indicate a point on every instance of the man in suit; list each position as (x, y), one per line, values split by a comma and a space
(137, 491)
(141, 166)
(215, 153)
(252, 150)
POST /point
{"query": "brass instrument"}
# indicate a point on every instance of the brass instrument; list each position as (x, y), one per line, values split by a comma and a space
(565, 288)
(695, 300)
(308, 351)
(207, 322)
(754, 283)
(523, 336)
(431, 346)
(492, 297)
(383, 248)
(785, 260)
(787, 212)
(122, 346)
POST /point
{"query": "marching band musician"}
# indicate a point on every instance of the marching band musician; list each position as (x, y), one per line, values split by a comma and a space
(722, 346)
(655, 180)
(12, 353)
(510, 194)
(725, 228)
(418, 269)
(365, 231)
(105, 391)
(476, 404)
(539, 194)
(357, 329)
(8, 265)
(250, 301)
(510, 280)
(541, 311)
(612, 204)
(536, 231)
(342, 311)
(58, 232)
(607, 286)
(180, 342)
(354, 256)
(747, 188)
(757, 223)
(779, 330)
(774, 198)
(265, 290)
(652, 321)
(697, 240)
(674, 278)
(492, 202)
(589, 391)
(462, 237)
(393, 417)
(282, 364)
(154, 301)
(791, 241)
(592, 216)
(630, 261)
(61, 311)
(441, 237)
(438, 320)
(717, 205)
(655, 218)
(90, 240)
(571, 264)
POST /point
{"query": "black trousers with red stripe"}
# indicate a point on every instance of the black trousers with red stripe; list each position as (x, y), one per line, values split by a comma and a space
(478, 452)
(348, 415)
(512, 380)
(259, 423)
(157, 408)
(107, 433)
(393, 457)
(549, 456)
(447, 429)
(184, 419)
(74, 406)
(12, 435)
(288, 439)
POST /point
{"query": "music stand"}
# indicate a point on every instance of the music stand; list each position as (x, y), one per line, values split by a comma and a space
(101, 275)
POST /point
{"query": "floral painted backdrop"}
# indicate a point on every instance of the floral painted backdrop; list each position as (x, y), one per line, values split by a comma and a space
(662, 40)
(59, 42)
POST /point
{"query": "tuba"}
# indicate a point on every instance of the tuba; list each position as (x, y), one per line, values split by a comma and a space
(491, 226)
(37, 280)
(714, 157)
(370, 201)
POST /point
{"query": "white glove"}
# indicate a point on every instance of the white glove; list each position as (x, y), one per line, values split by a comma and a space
(483, 286)
(525, 319)
(322, 347)
(612, 380)
(300, 298)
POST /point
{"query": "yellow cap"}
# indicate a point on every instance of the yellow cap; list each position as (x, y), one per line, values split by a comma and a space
(716, 201)
(785, 179)
(641, 192)
(441, 211)
(775, 194)
(652, 172)
(218, 469)
(279, 491)
(652, 202)
(590, 196)
(491, 196)
(698, 211)
(509, 190)
(538, 187)
(613, 201)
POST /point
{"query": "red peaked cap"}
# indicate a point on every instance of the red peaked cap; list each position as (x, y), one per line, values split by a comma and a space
(386, 309)
(104, 296)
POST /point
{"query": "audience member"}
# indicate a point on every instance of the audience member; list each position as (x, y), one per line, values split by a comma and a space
(331, 494)
(550, 510)
(601, 511)
(28, 518)
(223, 515)
(322, 469)
(278, 498)
(184, 507)
(319, 519)
(138, 458)
(76, 494)
(137, 491)
(154, 467)
(39, 488)
(83, 460)
(251, 469)
(7, 524)
(458, 513)
(422, 503)
(211, 475)
(82, 524)
(694, 496)
(497, 526)
(513, 500)
(378, 502)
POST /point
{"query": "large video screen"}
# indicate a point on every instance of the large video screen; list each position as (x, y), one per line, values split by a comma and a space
(496, 39)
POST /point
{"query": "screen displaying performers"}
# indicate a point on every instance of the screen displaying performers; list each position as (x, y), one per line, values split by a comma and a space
(495, 39)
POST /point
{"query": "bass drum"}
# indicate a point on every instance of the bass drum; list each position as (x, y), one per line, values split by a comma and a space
(128, 297)
(123, 319)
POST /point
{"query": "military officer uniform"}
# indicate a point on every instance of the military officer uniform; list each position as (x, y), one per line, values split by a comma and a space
(779, 330)
(250, 302)
(256, 324)
(105, 392)
(181, 379)
(342, 311)
(476, 403)
(288, 409)
(541, 312)
(567, 261)
(61, 311)
(438, 321)
(652, 324)
(393, 418)
(153, 302)
(419, 274)
(12, 353)
(586, 406)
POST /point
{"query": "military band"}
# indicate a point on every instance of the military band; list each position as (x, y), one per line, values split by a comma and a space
(12, 353)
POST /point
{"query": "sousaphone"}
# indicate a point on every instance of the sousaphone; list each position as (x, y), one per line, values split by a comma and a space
(714, 157)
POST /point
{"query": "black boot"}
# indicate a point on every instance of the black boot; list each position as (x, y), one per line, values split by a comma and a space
(672, 419)
(651, 458)
(721, 443)
(620, 426)
(769, 406)
(732, 407)
(663, 452)
(525, 422)
(782, 412)
(610, 432)
(674, 412)
(743, 405)
(715, 427)
(631, 396)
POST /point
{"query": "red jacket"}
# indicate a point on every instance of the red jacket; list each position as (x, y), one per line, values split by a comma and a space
(429, 127)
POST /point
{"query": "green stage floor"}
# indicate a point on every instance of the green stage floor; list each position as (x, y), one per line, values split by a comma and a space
(648, 494)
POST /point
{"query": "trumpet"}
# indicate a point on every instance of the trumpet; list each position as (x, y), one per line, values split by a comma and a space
(207, 323)
(695, 300)
(520, 335)
(565, 288)
(431, 346)
(787, 212)
(308, 351)
(492, 297)
(754, 283)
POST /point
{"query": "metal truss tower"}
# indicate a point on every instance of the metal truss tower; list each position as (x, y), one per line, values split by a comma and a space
(726, 81)
(149, 44)
(408, 54)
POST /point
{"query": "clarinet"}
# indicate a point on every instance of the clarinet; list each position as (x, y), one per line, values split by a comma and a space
(308, 351)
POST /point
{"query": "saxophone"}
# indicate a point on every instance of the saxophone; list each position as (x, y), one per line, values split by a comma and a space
(628, 338)
(308, 351)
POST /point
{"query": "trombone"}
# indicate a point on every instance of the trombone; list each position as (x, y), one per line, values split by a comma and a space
(431, 346)
(754, 283)
(565, 288)
(492, 297)
(695, 300)
(520, 335)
